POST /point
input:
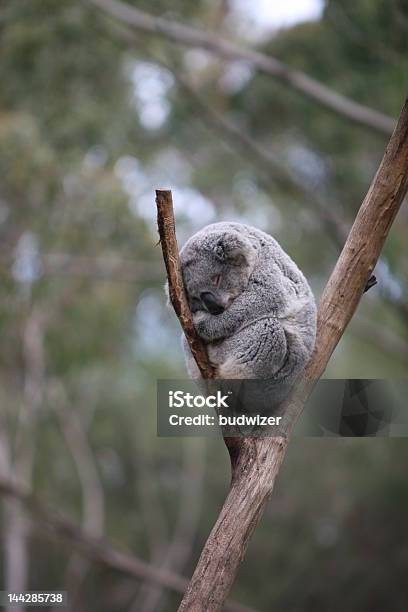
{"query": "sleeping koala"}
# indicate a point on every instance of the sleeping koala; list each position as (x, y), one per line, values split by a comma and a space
(251, 305)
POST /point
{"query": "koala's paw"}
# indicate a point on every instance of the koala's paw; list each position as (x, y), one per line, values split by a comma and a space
(202, 323)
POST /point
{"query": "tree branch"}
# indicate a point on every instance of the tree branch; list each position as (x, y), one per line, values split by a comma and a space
(301, 82)
(256, 463)
(168, 240)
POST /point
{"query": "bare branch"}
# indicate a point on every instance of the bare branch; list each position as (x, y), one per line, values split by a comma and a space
(307, 86)
(168, 240)
(99, 550)
(256, 462)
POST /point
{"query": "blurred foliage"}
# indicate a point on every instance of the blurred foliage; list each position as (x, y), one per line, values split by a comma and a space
(89, 126)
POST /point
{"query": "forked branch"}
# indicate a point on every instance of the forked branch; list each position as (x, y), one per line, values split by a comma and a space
(256, 462)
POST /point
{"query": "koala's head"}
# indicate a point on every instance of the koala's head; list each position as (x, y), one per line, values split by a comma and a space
(216, 267)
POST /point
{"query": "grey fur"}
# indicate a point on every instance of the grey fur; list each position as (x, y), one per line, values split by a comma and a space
(268, 327)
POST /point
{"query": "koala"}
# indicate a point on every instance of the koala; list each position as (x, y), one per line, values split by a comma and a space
(251, 305)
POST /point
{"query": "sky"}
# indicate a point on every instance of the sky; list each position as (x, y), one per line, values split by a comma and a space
(268, 15)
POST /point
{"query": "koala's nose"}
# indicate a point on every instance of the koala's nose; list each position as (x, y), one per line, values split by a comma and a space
(195, 305)
(211, 303)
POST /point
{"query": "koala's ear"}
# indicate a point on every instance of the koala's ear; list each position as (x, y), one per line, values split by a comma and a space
(232, 250)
